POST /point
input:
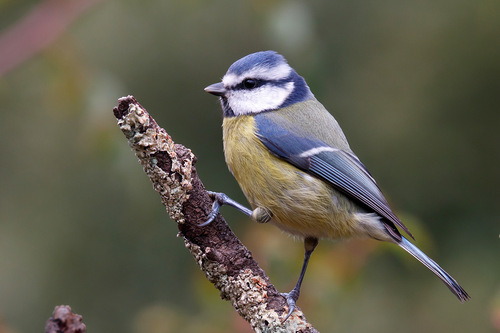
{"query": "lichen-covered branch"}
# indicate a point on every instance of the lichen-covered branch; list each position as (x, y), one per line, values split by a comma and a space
(225, 261)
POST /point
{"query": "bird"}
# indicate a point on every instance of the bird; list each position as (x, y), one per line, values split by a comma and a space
(293, 163)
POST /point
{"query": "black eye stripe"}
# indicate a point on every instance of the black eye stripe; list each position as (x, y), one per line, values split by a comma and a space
(256, 83)
(249, 83)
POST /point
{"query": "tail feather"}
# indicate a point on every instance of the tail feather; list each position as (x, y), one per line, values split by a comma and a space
(435, 268)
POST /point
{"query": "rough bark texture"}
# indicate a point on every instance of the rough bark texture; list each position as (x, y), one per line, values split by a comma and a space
(64, 321)
(225, 261)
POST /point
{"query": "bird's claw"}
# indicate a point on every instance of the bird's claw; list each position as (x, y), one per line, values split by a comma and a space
(216, 197)
(291, 298)
(219, 200)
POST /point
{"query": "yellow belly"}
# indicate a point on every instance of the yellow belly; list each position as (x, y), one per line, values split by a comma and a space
(300, 204)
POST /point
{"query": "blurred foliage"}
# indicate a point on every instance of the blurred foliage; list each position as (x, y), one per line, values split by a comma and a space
(415, 86)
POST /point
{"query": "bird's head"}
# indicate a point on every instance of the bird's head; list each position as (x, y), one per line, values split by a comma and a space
(259, 82)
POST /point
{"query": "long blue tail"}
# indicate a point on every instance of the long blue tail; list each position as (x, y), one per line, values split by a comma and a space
(435, 268)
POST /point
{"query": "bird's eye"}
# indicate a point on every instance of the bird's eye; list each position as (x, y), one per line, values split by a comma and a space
(249, 83)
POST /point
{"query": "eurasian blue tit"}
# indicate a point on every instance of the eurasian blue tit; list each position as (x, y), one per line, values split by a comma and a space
(294, 165)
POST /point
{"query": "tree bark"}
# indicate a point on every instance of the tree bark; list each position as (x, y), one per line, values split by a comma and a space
(64, 321)
(224, 260)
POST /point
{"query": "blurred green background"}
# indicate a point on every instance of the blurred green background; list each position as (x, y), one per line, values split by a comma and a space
(415, 86)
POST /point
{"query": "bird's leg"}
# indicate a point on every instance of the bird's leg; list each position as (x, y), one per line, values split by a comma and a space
(310, 244)
(222, 199)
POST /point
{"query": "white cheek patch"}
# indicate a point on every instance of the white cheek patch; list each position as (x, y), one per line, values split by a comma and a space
(267, 97)
(260, 72)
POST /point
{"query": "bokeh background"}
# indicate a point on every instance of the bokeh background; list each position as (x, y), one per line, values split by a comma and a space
(415, 85)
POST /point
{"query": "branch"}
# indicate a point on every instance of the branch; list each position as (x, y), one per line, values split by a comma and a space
(64, 321)
(226, 262)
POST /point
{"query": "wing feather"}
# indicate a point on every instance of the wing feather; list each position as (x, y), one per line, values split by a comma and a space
(340, 168)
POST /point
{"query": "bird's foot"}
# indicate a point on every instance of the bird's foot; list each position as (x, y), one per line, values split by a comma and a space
(220, 199)
(291, 298)
(217, 198)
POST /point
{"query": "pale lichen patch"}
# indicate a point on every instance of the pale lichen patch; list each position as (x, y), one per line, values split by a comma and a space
(150, 141)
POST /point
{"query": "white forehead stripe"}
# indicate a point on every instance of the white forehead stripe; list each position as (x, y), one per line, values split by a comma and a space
(259, 72)
(315, 151)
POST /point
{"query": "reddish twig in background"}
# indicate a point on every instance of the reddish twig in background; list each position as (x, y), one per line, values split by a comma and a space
(38, 29)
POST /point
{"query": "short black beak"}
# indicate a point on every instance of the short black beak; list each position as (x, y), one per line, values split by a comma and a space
(216, 89)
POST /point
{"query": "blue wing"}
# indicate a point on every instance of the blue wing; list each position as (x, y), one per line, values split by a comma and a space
(340, 168)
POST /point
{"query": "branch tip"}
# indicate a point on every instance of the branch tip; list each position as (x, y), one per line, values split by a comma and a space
(64, 321)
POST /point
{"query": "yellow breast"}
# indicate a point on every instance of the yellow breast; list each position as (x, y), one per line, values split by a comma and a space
(301, 204)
